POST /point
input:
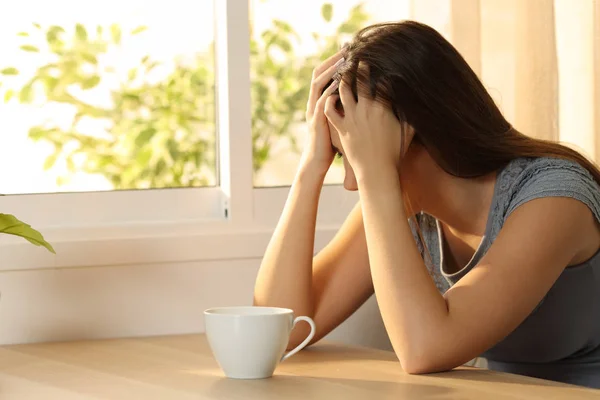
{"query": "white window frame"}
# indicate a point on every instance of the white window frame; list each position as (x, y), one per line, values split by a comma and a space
(233, 220)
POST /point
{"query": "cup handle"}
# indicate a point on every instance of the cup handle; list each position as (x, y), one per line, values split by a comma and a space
(302, 345)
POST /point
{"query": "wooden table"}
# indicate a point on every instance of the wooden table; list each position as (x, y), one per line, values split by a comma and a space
(181, 367)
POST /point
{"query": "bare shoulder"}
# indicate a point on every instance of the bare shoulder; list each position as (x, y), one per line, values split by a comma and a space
(548, 219)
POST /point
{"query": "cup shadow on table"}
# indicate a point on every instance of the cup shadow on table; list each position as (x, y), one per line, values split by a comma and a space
(312, 387)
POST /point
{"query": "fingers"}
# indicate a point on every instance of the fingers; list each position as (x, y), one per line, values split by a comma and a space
(320, 106)
(317, 85)
(327, 63)
(319, 112)
(333, 115)
(321, 75)
(347, 98)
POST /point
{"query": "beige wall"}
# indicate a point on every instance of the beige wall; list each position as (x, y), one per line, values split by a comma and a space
(139, 300)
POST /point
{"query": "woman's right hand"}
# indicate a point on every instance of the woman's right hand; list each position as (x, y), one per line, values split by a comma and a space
(318, 152)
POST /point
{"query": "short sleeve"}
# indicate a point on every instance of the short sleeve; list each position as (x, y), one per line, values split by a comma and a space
(555, 178)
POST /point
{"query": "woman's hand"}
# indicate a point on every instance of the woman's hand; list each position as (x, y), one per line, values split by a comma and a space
(370, 133)
(318, 151)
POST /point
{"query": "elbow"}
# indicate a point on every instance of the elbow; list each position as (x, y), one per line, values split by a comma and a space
(417, 367)
(424, 363)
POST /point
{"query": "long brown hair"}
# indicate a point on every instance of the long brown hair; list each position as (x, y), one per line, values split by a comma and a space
(428, 85)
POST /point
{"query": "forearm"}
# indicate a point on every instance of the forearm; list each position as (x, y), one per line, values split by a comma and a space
(285, 275)
(412, 308)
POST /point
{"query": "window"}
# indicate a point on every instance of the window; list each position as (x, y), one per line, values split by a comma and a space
(289, 39)
(101, 103)
(115, 96)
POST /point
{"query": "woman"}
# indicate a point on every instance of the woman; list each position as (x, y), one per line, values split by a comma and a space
(476, 239)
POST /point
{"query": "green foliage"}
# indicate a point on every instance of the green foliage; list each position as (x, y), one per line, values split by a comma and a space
(12, 226)
(327, 11)
(281, 79)
(9, 71)
(160, 132)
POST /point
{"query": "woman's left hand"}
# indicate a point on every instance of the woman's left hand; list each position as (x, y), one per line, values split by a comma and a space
(369, 132)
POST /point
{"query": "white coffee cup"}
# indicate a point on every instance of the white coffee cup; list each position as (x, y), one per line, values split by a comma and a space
(249, 342)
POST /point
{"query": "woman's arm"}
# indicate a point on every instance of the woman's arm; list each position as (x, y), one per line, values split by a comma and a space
(411, 306)
(285, 275)
(337, 282)
(431, 332)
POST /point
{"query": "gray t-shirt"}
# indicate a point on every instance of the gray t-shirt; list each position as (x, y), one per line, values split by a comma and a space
(560, 339)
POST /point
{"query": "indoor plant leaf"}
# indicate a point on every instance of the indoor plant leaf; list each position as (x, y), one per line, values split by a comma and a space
(11, 225)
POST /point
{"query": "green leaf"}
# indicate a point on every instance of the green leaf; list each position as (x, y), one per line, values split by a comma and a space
(132, 73)
(37, 132)
(37, 25)
(151, 65)
(23, 34)
(172, 149)
(358, 19)
(9, 71)
(160, 167)
(12, 226)
(52, 35)
(70, 164)
(89, 57)
(283, 44)
(61, 180)
(132, 97)
(348, 27)
(143, 157)
(8, 95)
(144, 137)
(115, 32)
(90, 82)
(139, 29)
(50, 161)
(285, 28)
(26, 93)
(327, 11)
(30, 48)
(99, 30)
(50, 82)
(81, 33)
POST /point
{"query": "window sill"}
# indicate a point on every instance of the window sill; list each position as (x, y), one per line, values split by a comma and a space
(200, 237)
(19, 255)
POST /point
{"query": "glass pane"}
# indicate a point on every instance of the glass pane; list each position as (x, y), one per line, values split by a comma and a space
(106, 96)
(287, 41)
